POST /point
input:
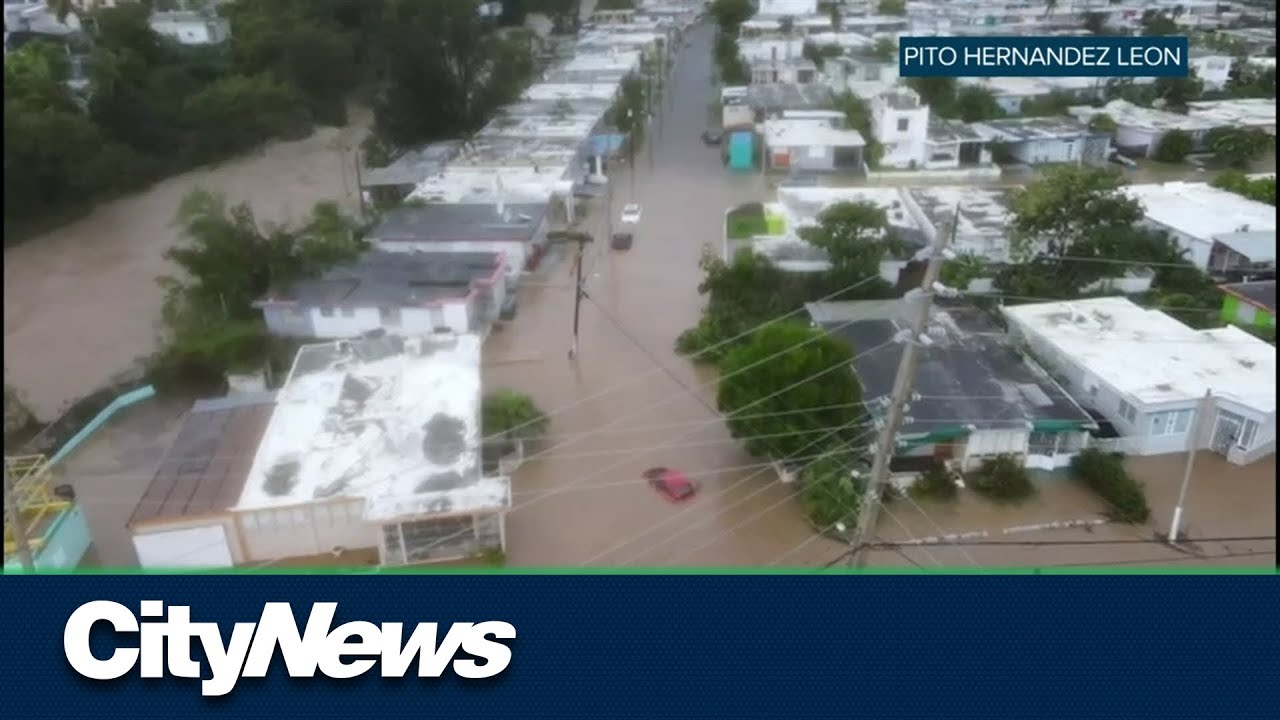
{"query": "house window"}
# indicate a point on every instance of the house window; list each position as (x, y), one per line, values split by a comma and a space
(1171, 423)
(817, 152)
(326, 311)
(1245, 314)
(389, 316)
(903, 124)
(1248, 435)
(1128, 412)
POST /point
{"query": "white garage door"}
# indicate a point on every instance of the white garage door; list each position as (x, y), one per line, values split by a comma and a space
(196, 547)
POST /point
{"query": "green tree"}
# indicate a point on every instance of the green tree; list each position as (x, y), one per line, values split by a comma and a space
(1248, 81)
(857, 115)
(729, 63)
(1259, 190)
(730, 14)
(1176, 92)
(1174, 146)
(1155, 23)
(892, 7)
(1071, 210)
(974, 103)
(939, 93)
(1054, 103)
(856, 236)
(1096, 23)
(786, 389)
(507, 414)
(884, 49)
(238, 113)
(1237, 147)
(830, 493)
(1103, 123)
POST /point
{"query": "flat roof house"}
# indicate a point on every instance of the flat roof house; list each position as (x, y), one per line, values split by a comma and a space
(812, 145)
(1039, 140)
(1140, 129)
(413, 293)
(1200, 216)
(369, 454)
(1146, 373)
(1250, 304)
(974, 396)
(518, 230)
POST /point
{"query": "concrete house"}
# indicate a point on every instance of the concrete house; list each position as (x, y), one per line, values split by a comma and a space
(974, 396)
(813, 144)
(1040, 140)
(901, 123)
(1139, 130)
(190, 27)
(1201, 218)
(518, 231)
(368, 455)
(1250, 304)
(411, 293)
(1090, 346)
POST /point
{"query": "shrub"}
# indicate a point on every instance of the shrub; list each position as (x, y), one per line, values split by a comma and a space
(746, 221)
(513, 415)
(936, 482)
(1105, 474)
(829, 494)
(1174, 147)
(1003, 479)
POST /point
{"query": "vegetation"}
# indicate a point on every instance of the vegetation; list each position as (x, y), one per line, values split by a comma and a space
(1054, 103)
(856, 237)
(1002, 479)
(1260, 189)
(892, 7)
(1105, 474)
(19, 421)
(1103, 123)
(935, 483)
(1238, 147)
(857, 115)
(829, 492)
(730, 14)
(939, 93)
(959, 272)
(512, 415)
(1174, 146)
(729, 63)
(788, 391)
(746, 221)
(1156, 22)
(884, 49)
(973, 103)
(1249, 81)
(228, 261)
(147, 107)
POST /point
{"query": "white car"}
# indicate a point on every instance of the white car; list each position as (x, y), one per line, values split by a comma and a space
(630, 214)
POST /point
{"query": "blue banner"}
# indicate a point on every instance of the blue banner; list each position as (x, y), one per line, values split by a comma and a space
(1086, 56)
(610, 647)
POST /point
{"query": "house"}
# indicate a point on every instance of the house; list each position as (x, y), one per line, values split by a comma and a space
(1093, 348)
(518, 231)
(1257, 113)
(1213, 68)
(812, 145)
(974, 396)
(985, 215)
(786, 8)
(368, 454)
(190, 27)
(951, 145)
(1197, 214)
(798, 71)
(1139, 130)
(747, 106)
(1039, 140)
(900, 121)
(415, 293)
(1244, 254)
(1250, 304)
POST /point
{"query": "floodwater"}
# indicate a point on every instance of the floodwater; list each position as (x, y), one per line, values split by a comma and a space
(81, 302)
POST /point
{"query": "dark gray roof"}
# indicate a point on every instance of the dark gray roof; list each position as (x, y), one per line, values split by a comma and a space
(1259, 294)
(454, 222)
(206, 466)
(785, 96)
(384, 278)
(970, 375)
(413, 166)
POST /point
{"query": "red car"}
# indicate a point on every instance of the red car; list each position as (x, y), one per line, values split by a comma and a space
(671, 484)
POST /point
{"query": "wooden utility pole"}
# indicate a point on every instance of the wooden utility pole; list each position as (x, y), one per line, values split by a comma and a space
(581, 239)
(1195, 438)
(885, 445)
(17, 524)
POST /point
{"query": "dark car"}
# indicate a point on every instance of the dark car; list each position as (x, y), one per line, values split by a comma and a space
(712, 137)
(621, 241)
(671, 484)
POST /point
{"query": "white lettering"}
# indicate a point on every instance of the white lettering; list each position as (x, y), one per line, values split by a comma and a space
(348, 651)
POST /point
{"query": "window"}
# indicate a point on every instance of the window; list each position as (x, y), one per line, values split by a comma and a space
(326, 311)
(1127, 412)
(1171, 423)
(817, 152)
(1248, 435)
(389, 316)
(903, 124)
(1245, 314)
(437, 318)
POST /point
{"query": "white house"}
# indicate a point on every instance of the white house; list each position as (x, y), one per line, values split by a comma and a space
(191, 28)
(1258, 113)
(1146, 373)
(786, 8)
(412, 293)
(901, 123)
(1140, 129)
(812, 143)
(1038, 140)
(1214, 69)
(518, 230)
(370, 449)
(1196, 214)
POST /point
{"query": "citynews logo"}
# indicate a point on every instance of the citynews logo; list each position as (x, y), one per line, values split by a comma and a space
(342, 653)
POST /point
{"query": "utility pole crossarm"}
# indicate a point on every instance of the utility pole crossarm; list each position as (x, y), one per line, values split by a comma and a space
(869, 513)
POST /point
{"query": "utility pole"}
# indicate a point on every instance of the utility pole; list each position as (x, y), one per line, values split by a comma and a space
(17, 524)
(885, 445)
(1194, 439)
(581, 239)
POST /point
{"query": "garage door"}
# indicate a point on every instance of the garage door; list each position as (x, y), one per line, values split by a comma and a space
(193, 547)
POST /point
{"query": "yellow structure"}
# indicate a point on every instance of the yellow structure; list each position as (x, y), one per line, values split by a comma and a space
(32, 479)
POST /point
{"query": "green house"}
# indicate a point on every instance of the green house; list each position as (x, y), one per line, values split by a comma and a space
(1250, 304)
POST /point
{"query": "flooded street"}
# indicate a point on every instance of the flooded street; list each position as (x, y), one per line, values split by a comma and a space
(81, 302)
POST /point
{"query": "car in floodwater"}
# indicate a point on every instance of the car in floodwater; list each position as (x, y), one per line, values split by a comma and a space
(672, 485)
(621, 241)
(630, 214)
(712, 137)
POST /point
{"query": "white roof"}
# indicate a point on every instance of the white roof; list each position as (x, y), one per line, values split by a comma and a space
(395, 421)
(461, 184)
(585, 61)
(568, 91)
(1105, 335)
(1126, 114)
(800, 132)
(547, 126)
(1250, 112)
(803, 205)
(1200, 210)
